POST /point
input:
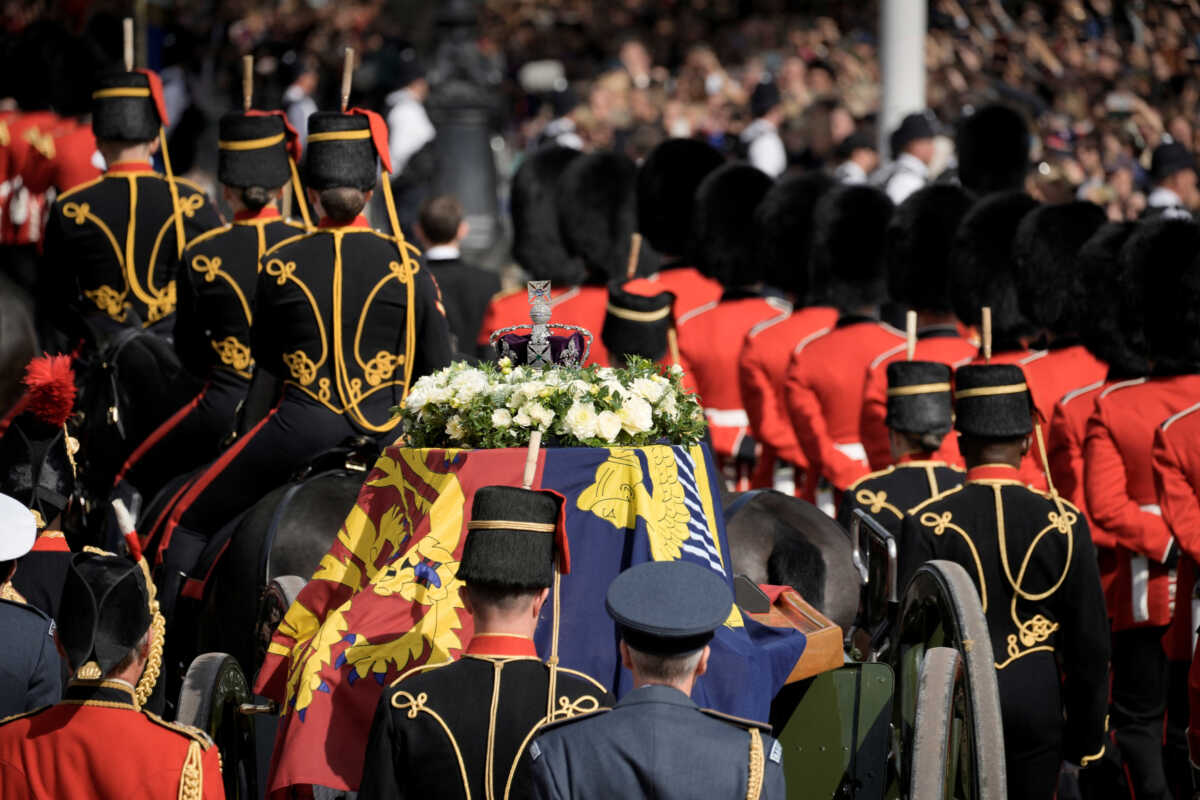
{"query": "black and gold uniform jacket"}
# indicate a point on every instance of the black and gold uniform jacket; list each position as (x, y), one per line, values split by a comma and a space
(340, 315)
(888, 493)
(459, 730)
(111, 244)
(1033, 561)
(216, 288)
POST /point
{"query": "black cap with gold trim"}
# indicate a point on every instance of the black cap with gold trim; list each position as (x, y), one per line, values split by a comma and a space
(343, 148)
(513, 539)
(992, 401)
(635, 325)
(128, 107)
(253, 150)
(918, 398)
(105, 610)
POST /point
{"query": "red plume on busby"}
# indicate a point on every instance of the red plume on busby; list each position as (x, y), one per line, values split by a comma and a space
(50, 383)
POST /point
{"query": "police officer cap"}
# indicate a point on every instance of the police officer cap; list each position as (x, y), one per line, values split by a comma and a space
(18, 529)
(992, 401)
(668, 607)
(1169, 158)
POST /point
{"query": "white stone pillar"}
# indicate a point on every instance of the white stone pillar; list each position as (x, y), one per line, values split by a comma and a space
(902, 26)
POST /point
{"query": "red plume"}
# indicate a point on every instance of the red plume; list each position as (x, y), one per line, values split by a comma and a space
(50, 383)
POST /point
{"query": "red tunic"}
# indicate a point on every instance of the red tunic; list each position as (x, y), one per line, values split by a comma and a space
(710, 342)
(691, 287)
(940, 343)
(1122, 497)
(95, 744)
(824, 394)
(25, 208)
(1177, 478)
(761, 372)
(1064, 449)
(570, 305)
(72, 160)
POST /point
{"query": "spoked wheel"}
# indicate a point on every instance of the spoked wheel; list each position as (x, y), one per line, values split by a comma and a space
(213, 690)
(940, 609)
(940, 747)
(276, 599)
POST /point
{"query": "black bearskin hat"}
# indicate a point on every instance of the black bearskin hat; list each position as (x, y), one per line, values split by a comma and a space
(635, 325)
(848, 246)
(723, 224)
(335, 163)
(1113, 317)
(785, 223)
(992, 401)
(993, 150)
(537, 242)
(127, 107)
(596, 215)
(512, 539)
(918, 247)
(1167, 251)
(666, 190)
(253, 151)
(1046, 252)
(981, 267)
(105, 610)
(918, 397)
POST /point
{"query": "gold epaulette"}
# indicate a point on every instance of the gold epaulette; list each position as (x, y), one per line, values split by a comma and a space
(912, 511)
(741, 722)
(877, 474)
(190, 731)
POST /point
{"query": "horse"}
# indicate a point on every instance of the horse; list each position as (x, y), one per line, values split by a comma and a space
(18, 342)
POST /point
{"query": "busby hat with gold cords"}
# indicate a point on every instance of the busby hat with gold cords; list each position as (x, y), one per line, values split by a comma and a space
(37, 465)
(514, 539)
(918, 397)
(635, 325)
(992, 401)
(668, 608)
(255, 149)
(1050, 285)
(343, 151)
(105, 611)
(666, 190)
(128, 106)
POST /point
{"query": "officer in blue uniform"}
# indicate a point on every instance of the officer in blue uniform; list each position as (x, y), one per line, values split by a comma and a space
(656, 742)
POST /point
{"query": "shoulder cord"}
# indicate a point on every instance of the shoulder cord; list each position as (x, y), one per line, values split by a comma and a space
(191, 779)
(553, 660)
(754, 783)
(179, 242)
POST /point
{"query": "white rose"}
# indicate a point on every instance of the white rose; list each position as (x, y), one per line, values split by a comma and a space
(676, 369)
(667, 406)
(455, 429)
(417, 399)
(501, 418)
(539, 413)
(466, 385)
(608, 425)
(581, 420)
(648, 389)
(579, 388)
(522, 417)
(636, 415)
(616, 388)
(439, 395)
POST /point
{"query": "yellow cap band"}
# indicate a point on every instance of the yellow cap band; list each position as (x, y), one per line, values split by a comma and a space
(504, 525)
(124, 91)
(988, 391)
(639, 316)
(250, 144)
(918, 388)
(339, 136)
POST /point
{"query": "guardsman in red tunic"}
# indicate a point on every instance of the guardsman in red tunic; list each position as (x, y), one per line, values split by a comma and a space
(919, 415)
(1123, 499)
(98, 742)
(666, 195)
(1177, 478)
(1112, 332)
(785, 222)
(824, 385)
(918, 250)
(215, 289)
(1049, 289)
(1030, 556)
(113, 245)
(711, 336)
(539, 246)
(982, 275)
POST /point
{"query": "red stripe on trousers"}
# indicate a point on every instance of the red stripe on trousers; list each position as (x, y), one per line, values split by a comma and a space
(159, 433)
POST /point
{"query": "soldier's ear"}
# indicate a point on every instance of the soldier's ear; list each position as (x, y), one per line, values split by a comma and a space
(702, 664)
(626, 661)
(539, 602)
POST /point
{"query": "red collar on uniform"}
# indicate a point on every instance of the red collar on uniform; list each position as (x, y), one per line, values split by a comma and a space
(909, 457)
(51, 542)
(358, 222)
(500, 644)
(993, 472)
(130, 166)
(266, 212)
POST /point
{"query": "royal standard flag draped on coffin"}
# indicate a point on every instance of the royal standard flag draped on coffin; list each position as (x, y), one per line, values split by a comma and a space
(385, 597)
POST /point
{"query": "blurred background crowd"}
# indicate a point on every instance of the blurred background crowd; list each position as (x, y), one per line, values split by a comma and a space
(786, 83)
